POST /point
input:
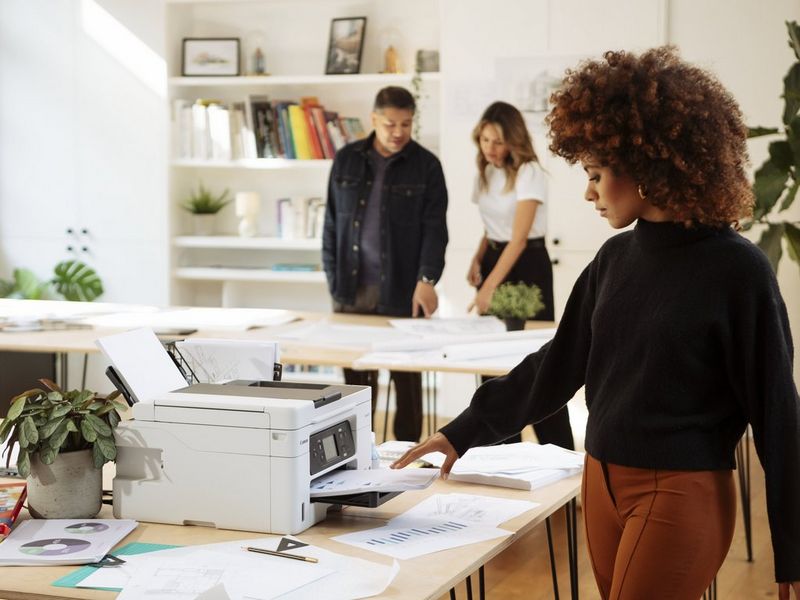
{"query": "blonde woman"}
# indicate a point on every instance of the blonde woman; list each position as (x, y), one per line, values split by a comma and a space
(511, 194)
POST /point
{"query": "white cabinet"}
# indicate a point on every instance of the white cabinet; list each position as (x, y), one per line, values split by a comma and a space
(224, 269)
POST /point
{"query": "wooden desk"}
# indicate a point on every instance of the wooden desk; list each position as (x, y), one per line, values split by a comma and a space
(427, 576)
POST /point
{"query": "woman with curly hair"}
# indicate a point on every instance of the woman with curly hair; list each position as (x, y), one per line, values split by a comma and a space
(510, 191)
(676, 328)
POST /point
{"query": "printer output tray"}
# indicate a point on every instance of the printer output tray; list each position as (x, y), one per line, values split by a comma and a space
(365, 499)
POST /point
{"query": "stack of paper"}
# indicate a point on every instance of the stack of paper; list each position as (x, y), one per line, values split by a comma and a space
(524, 466)
(358, 481)
(62, 541)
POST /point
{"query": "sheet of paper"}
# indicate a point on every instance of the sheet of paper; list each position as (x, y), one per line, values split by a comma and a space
(207, 318)
(142, 362)
(356, 481)
(450, 326)
(324, 333)
(438, 341)
(518, 348)
(62, 541)
(349, 578)
(243, 575)
(513, 458)
(411, 539)
(469, 509)
(217, 361)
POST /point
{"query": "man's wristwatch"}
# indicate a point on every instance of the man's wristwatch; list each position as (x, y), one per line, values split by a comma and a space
(424, 279)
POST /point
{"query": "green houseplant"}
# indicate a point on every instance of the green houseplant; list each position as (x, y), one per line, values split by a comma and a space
(515, 303)
(64, 440)
(778, 179)
(72, 280)
(203, 204)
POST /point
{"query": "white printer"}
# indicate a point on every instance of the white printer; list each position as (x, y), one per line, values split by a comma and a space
(239, 455)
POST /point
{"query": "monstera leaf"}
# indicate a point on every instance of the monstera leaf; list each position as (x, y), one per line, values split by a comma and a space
(76, 281)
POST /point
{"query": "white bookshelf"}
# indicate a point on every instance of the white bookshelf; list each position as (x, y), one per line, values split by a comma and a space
(229, 270)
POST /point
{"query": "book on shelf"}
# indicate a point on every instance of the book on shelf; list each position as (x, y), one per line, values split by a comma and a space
(300, 133)
(219, 131)
(300, 218)
(261, 119)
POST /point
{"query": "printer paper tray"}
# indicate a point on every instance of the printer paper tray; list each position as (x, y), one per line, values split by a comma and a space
(365, 499)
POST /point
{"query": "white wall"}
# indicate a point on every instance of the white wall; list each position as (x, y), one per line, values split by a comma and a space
(83, 141)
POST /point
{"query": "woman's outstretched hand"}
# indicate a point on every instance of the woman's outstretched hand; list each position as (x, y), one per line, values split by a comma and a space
(436, 443)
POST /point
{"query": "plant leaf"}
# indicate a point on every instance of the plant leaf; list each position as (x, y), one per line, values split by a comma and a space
(61, 410)
(30, 432)
(770, 181)
(753, 132)
(88, 432)
(780, 153)
(47, 455)
(770, 243)
(788, 198)
(47, 430)
(792, 234)
(51, 385)
(99, 458)
(16, 407)
(100, 426)
(24, 463)
(77, 281)
(107, 447)
(794, 37)
(59, 436)
(27, 285)
(791, 93)
(113, 418)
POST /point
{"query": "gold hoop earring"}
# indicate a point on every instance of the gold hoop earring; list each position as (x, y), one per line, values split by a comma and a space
(642, 192)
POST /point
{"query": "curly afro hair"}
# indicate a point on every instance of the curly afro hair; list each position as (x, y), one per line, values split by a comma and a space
(669, 125)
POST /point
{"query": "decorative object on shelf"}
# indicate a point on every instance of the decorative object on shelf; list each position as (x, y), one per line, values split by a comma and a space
(427, 61)
(210, 57)
(64, 440)
(72, 280)
(259, 63)
(779, 175)
(254, 42)
(390, 41)
(345, 45)
(204, 204)
(515, 303)
(248, 205)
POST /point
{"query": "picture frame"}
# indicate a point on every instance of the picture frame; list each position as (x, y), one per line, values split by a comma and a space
(345, 46)
(210, 57)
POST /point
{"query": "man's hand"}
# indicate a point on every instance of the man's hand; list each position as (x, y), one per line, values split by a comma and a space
(436, 443)
(424, 300)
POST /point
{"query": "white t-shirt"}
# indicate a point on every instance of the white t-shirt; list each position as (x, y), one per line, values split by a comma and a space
(497, 207)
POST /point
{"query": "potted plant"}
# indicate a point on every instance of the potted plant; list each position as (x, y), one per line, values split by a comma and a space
(515, 303)
(204, 204)
(64, 440)
(72, 280)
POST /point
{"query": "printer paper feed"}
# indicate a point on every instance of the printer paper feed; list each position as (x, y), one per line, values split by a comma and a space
(142, 362)
(217, 361)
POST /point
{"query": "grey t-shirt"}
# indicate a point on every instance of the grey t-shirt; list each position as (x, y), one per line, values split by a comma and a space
(370, 257)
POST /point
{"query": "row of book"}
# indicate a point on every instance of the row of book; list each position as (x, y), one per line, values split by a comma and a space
(260, 128)
(300, 218)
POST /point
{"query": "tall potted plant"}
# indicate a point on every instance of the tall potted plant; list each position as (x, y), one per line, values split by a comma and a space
(203, 204)
(64, 440)
(778, 179)
(515, 303)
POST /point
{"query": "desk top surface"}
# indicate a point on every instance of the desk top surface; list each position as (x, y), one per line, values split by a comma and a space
(292, 351)
(427, 576)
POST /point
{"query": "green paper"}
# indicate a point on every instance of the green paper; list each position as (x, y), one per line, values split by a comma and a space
(73, 579)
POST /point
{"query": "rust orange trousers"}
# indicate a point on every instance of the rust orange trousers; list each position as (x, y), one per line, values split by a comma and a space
(655, 534)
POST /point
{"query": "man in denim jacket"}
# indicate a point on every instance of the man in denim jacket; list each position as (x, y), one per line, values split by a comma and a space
(385, 235)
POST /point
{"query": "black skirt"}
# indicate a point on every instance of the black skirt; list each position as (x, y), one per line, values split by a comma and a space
(532, 267)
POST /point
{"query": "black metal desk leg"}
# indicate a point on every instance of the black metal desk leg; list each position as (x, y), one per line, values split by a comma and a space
(552, 559)
(743, 470)
(572, 545)
(481, 584)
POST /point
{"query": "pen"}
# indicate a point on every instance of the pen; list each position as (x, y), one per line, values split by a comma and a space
(310, 559)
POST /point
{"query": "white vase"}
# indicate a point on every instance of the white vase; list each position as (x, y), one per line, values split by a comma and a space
(203, 224)
(70, 488)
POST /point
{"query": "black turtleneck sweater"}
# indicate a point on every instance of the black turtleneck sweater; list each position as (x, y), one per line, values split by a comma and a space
(681, 338)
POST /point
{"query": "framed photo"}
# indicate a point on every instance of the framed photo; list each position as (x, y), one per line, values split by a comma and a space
(345, 46)
(210, 57)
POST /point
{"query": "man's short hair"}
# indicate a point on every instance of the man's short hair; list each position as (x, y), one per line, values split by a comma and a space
(394, 97)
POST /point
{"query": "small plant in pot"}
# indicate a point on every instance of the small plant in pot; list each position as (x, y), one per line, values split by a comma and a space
(64, 440)
(203, 204)
(515, 303)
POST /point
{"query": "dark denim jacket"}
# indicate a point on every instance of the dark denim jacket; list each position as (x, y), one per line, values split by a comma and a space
(413, 224)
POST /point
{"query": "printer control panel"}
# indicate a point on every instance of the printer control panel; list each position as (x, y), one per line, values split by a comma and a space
(330, 446)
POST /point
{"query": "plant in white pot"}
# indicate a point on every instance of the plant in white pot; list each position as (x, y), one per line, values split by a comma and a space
(515, 303)
(204, 204)
(64, 440)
